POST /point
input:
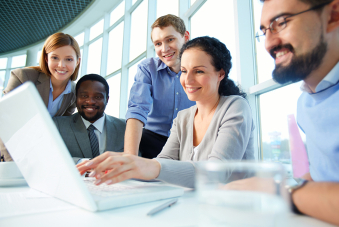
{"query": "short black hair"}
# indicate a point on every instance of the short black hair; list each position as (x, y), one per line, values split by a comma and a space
(92, 77)
(221, 59)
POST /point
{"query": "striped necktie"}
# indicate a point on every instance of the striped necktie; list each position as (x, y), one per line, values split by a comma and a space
(93, 140)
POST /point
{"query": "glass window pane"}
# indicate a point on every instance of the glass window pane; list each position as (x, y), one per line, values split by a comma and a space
(96, 29)
(275, 109)
(94, 57)
(3, 63)
(79, 73)
(117, 13)
(138, 30)
(115, 48)
(221, 12)
(80, 38)
(38, 57)
(265, 63)
(2, 79)
(131, 74)
(113, 105)
(167, 7)
(18, 61)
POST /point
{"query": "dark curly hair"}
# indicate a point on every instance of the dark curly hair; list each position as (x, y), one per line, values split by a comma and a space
(221, 59)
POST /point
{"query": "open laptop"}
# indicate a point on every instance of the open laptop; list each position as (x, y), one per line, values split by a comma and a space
(36, 146)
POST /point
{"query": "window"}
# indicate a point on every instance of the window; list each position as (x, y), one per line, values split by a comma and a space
(79, 73)
(265, 63)
(94, 57)
(117, 13)
(80, 38)
(131, 74)
(38, 57)
(18, 61)
(203, 25)
(114, 59)
(276, 107)
(138, 30)
(96, 29)
(165, 7)
(112, 107)
(3, 63)
(2, 81)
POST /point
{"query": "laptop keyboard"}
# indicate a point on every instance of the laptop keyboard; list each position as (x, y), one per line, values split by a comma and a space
(105, 190)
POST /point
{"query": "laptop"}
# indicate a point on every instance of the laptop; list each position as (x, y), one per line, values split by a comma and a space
(36, 146)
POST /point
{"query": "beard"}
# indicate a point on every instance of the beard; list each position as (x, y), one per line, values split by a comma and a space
(300, 66)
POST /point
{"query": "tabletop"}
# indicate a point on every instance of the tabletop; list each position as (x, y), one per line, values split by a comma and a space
(183, 214)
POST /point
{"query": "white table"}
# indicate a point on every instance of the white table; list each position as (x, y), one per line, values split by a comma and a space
(184, 213)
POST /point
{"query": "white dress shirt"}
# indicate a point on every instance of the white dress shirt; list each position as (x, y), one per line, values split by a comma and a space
(100, 131)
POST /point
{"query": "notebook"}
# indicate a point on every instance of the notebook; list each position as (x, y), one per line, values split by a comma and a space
(36, 146)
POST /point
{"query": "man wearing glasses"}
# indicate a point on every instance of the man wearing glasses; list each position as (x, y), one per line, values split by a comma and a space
(303, 38)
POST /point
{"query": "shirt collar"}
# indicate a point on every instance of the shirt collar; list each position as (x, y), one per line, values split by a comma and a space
(162, 65)
(329, 80)
(98, 124)
(67, 90)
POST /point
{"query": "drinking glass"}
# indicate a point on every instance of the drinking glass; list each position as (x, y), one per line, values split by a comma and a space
(242, 194)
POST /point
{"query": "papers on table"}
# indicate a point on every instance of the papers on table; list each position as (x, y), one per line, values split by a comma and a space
(30, 202)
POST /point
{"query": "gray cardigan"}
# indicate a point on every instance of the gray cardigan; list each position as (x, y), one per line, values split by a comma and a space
(228, 137)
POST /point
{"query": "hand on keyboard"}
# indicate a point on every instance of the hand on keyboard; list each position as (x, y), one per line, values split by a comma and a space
(114, 167)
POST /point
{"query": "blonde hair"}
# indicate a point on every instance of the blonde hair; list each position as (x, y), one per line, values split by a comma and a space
(53, 42)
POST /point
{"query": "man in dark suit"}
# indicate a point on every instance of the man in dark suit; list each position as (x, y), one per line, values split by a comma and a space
(91, 132)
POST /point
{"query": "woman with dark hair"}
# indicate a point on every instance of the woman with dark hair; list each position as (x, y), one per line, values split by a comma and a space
(219, 127)
(58, 67)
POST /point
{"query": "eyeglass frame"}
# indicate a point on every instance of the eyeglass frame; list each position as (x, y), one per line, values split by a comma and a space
(257, 36)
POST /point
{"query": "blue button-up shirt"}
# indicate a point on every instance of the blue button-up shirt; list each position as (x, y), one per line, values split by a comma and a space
(54, 106)
(156, 96)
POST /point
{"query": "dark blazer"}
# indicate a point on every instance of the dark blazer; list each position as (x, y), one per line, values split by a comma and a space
(74, 133)
(41, 81)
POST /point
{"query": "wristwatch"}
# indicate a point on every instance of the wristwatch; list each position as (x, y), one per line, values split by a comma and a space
(291, 189)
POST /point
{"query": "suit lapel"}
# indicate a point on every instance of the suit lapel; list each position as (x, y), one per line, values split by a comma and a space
(81, 135)
(67, 101)
(111, 130)
(43, 87)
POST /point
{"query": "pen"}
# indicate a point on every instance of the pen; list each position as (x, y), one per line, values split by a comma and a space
(162, 207)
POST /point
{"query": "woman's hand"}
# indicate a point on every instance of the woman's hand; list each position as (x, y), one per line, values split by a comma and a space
(114, 167)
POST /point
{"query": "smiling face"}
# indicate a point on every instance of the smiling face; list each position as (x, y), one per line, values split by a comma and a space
(168, 42)
(91, 100)
(300, 47)
(199, 78)
(62, 63)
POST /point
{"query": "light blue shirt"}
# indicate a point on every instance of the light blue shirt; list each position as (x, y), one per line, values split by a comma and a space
(156, 96)
(54, 106)
(318, 117)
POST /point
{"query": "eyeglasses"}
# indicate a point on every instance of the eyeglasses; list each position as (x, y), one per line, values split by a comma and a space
(279, 23)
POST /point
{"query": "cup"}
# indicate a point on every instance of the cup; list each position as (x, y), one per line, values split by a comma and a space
(248, 194)
(9, 170)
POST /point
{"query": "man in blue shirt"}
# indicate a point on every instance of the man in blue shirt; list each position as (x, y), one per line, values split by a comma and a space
(303, 38)
(157, 95)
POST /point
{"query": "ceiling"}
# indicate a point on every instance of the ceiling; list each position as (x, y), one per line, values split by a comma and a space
(25, 22)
